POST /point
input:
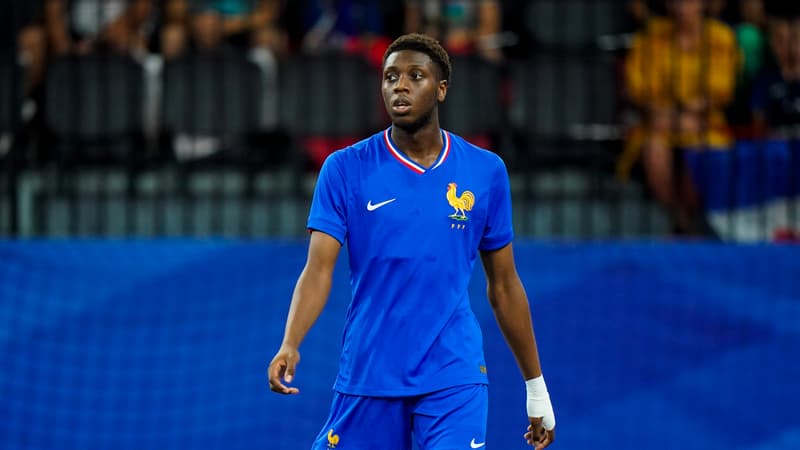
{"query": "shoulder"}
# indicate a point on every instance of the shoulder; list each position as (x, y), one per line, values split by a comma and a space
(654, 35)
(348, 156)
(657, 28)
(477, 155)
(720, 33)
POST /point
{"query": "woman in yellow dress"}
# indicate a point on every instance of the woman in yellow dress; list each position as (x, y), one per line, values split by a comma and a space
(680, 74)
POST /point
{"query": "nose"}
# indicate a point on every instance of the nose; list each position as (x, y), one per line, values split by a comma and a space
(402, 84)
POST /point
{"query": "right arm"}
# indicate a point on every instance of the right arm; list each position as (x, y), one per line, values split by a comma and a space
(308, 300)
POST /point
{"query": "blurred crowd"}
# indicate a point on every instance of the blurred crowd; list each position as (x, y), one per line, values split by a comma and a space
(695, 74)
(171, 28)
(156, 32)
(701, 75)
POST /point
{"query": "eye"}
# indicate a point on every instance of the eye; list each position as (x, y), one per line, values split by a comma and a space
(391, 77)
(416, 75)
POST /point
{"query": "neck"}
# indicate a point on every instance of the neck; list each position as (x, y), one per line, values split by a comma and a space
(690, 29)
(421, 144)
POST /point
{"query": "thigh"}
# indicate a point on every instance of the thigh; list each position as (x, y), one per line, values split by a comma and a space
(365, 423)
(452, 419)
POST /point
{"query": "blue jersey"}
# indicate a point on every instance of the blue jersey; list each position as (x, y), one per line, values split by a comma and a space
(413, 235)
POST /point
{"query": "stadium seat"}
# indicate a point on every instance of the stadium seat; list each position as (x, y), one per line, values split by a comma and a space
(566, 105)
(11, 97)
(473, 108)
(573, 23)
(328, 101)
(210, 105)
(94, 105)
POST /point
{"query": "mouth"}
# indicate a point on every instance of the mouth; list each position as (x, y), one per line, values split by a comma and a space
(401, 105)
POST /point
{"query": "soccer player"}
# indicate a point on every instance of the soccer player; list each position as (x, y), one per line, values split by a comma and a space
(415, 205)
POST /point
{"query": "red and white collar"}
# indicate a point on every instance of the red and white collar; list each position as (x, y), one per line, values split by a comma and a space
(411, 164)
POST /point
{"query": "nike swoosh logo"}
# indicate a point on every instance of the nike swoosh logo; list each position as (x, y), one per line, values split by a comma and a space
(371, 207)
(473, 444)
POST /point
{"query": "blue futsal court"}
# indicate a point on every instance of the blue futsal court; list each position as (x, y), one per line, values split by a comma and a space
(164, 344)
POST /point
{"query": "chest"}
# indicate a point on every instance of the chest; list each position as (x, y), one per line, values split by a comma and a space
(443, 210)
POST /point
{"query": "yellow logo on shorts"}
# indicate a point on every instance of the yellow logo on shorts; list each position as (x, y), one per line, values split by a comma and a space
(333, 439)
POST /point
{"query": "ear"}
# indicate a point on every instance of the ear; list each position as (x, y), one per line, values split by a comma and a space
(441, 90)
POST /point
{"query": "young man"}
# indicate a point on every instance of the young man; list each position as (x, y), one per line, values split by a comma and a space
(415, 205)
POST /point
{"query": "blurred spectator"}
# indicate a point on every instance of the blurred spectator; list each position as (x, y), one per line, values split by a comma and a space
(776, 94)
(716, 8)
(749, 27)
(348, 26)
(202, 26)
(463, 26)
(639, 12)
(24, 39)
(22, 31)
(207, 31)
(174, 29)
(32, 49)
(250, 26)
(680, 74)
(174, 41)
(248, 23)
(750, 35)
(82, 26)
(243, 24)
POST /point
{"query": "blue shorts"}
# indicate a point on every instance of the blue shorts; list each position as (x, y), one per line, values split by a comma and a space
(450, 419)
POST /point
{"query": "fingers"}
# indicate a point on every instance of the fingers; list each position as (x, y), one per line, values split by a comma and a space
(282, 368)
(291, 365)
(537, 436)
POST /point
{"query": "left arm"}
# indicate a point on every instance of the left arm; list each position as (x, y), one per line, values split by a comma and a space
(510, 305)
(724, 64)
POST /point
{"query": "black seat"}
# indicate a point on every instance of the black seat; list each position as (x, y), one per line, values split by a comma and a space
(211, 104)
(473, 105)
(12, 92)
(573, 23)
(329, 95)
(563, 107)
(327, 101)
(94, 104)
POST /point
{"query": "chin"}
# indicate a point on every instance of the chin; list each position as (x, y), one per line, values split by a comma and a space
(411, 123)
(403, 121)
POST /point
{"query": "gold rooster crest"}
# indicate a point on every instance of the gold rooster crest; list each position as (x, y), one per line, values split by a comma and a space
(333, 439)
(461, 203)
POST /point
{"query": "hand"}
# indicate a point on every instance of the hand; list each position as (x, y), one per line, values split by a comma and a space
(696, 106)
(537, 436)
(541, 431)
(283, 367)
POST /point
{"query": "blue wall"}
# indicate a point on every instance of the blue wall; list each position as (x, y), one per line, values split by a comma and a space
(164, 344)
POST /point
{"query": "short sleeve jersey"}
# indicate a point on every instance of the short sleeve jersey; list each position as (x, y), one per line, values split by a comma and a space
(413, 235)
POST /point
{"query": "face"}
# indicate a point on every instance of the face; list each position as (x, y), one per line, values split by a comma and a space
(141, 10)
(411, 88)
(207, 29)
(752, 10)
(687, 12)
(794, 43)
(176, 10)
(779, 39)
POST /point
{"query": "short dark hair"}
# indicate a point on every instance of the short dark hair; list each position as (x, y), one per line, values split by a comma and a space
(424, 44)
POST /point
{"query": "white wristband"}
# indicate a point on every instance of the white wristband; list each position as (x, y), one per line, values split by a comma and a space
(539, 402)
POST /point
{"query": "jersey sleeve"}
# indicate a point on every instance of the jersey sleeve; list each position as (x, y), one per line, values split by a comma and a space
(499, 229)
(329, 204)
